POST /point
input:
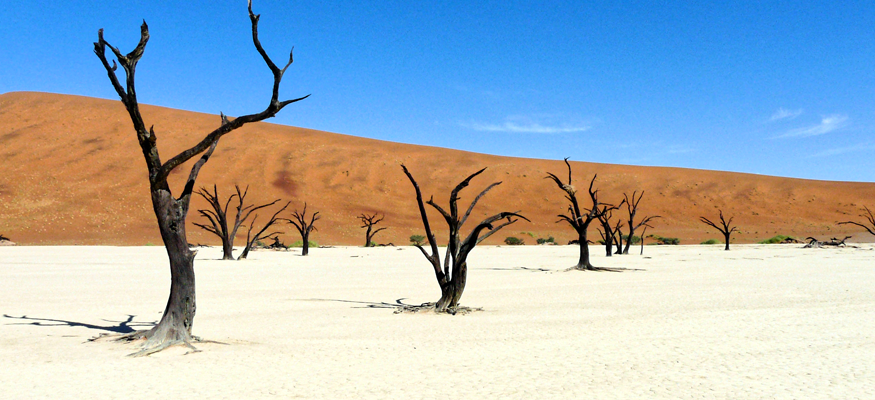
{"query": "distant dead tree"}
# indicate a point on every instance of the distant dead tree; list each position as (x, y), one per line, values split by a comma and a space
(251, 239)
(834, 242)
(643, 233)
(578, 218)
(218, 216)
(304, 227)
(611, 234)
(177, 320)
(632, 209)
(725, 227)
(369, 221)
(453, 276)
(870, 218)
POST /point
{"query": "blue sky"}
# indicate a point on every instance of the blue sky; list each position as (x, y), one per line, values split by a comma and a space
(765, 87)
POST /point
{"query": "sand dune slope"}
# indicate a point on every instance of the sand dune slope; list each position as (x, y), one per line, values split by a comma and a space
(73, 174)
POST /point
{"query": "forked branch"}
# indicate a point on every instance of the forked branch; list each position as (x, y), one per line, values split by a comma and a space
(158, 172)
(870, 218)
(725, 227)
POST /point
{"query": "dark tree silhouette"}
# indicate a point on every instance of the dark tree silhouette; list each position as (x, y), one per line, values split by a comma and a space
(632, 209)
(218, 216)
(453, 276)
(578, 218)
(836, 242)
(176, 323)
(870, 218)
(611, 234)
(369, 221)
(643, 233)
(261, 235)
(725, 227)
(304, 227)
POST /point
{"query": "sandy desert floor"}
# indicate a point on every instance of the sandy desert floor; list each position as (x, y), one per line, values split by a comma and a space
(759, 321)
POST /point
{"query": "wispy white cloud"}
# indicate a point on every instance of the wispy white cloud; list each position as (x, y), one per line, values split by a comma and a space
(784, 113)
(827, 124)
(526, 128)
(843, 150)
(537, 124)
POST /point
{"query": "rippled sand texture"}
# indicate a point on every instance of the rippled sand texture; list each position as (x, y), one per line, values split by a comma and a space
(682, 322)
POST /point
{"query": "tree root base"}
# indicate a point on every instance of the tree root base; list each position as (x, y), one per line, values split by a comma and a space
(152, 345)
(591, 268)
(431, 307)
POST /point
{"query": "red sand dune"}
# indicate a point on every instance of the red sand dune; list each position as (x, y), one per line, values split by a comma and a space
(73, 174)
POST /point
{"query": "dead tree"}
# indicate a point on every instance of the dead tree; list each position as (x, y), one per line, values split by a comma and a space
(611, 234)
(632, 209)
(578, 218)
(643, 232)
(724, 227)
(834, 242)
(251, 239)
(304, 227)
(218, 216)
(369, 221)
(176, 323)
(453, 275)
(870, 218)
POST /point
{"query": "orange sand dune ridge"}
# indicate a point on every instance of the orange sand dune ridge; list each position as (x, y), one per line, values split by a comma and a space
(73, 174)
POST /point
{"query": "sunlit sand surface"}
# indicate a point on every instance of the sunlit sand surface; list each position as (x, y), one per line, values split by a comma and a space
(759, 321)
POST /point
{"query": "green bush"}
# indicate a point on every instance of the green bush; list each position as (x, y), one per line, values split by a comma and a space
(300, 243)
(418, 240)
(635, 239)
(514, 241)
(665, 240)
(776, 239)
(549, 240)
(711, 241)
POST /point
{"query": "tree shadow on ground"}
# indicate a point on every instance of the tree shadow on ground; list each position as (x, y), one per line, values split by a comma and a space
(400, 307)
(605, 269)
(596, 269)
(399, 303)
(520, 269)
(125, 326)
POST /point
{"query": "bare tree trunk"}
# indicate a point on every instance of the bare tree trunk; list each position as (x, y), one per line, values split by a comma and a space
(176, 323)
(305, 249)
(218, 216)
(578, 218)
(369, 222)
(632, 208)
(725, 227)
(304, 227)
(583, 261)
(250, 239)
(453, 277)
(643, 232)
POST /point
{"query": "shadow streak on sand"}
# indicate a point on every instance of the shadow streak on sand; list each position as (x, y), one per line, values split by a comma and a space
(368, 304)
(605, 269)
(520, 269)
(596, 269)
(125, 326)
